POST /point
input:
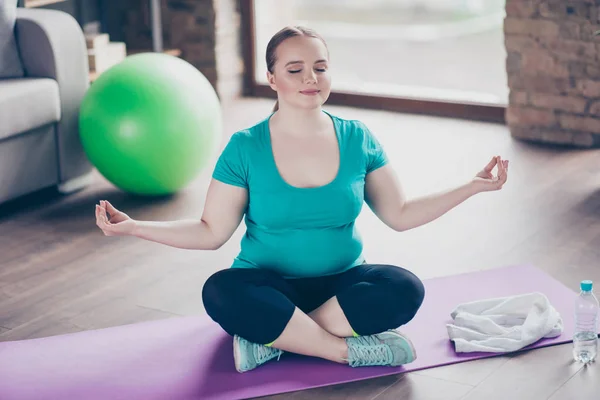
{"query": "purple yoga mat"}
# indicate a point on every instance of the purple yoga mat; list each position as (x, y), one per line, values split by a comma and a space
(191, 357)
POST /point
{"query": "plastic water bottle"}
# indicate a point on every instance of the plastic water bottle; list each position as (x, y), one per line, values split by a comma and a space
(585, 339)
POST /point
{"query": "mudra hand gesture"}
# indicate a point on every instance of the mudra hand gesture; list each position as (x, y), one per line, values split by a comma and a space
(119, 223)
(485, 179)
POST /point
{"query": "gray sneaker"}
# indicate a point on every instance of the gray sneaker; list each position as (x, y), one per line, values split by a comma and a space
(248, 355)
(389, 348)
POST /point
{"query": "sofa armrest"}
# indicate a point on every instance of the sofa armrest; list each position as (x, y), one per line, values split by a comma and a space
(52, 45)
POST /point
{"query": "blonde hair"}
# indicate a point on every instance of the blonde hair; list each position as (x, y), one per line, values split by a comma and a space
(280, 37)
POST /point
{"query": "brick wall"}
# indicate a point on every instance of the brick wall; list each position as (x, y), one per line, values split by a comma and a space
(206, 31)
(553, 66)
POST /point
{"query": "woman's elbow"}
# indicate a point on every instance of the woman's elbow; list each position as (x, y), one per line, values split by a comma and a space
(214, 244)
(399, 227)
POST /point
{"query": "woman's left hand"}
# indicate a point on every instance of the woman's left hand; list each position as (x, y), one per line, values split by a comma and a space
(486, 181)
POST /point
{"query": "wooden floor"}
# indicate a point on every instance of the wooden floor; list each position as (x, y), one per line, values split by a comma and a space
(59, 274)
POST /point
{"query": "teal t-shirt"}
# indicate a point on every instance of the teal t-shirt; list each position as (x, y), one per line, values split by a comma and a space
(300, 232)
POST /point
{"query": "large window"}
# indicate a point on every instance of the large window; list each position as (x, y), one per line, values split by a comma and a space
(431, 56)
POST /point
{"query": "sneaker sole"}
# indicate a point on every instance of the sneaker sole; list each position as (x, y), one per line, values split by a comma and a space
(236, 355)
(408, 341)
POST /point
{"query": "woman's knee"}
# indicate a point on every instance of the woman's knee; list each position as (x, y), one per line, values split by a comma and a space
(414, 289)
(216, 292)
(410, 293)
(248, 303)
(406, 290)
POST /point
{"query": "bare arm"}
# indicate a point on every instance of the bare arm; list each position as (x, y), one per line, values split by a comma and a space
(384, 195)
(223, 211)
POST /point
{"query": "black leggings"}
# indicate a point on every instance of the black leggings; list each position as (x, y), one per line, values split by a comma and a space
(257, 304)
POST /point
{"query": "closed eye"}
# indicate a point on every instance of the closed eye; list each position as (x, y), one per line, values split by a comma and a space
(298, 70)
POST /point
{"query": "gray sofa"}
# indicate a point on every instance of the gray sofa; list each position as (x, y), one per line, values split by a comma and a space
(40, 93)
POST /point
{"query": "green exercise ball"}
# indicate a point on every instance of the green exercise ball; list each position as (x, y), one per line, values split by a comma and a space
(150, 124)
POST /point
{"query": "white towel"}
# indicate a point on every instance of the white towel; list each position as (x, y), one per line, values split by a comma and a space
(503, 324)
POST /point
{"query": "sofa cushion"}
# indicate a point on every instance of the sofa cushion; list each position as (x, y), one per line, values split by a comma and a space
(10, 62)
(26, 104)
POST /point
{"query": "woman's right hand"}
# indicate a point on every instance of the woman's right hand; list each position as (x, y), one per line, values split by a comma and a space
(119, 223)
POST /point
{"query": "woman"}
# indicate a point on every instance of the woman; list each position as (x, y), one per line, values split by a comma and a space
(300, 283)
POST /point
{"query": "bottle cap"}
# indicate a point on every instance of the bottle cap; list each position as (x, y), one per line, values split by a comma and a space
(586, 286)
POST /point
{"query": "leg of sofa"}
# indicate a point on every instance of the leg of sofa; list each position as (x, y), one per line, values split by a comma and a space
(75, 184)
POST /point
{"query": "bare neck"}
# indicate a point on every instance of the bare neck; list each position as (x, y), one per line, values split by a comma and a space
(299, 122)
